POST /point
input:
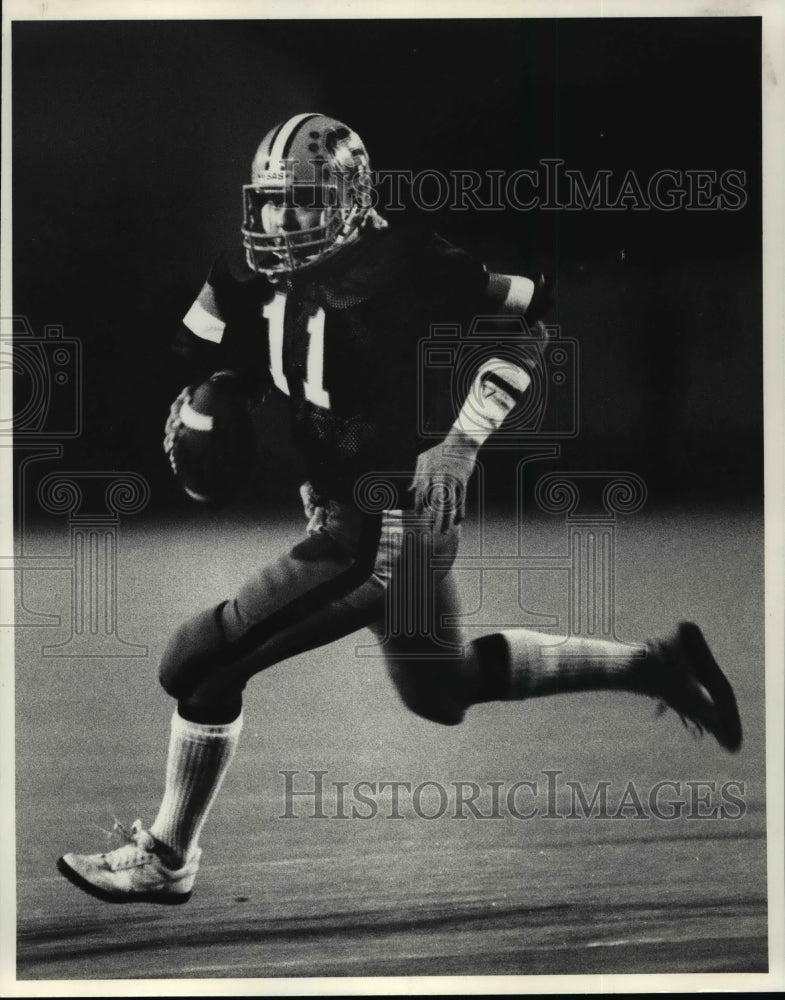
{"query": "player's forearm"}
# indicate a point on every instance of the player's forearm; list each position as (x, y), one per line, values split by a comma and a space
(497, 388)
(458, 442)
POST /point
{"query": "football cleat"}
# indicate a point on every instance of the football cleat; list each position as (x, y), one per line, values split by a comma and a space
(689, 681)
(132, 873)
(310, 194)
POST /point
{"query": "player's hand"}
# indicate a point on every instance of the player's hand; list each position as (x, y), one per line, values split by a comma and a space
(173, 425)
(441, 479)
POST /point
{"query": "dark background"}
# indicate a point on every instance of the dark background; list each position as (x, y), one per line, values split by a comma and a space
(132, 141)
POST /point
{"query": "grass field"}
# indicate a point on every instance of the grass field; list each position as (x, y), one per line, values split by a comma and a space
(296, 897)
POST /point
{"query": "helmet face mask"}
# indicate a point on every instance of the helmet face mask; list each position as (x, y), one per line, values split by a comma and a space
(308, 197)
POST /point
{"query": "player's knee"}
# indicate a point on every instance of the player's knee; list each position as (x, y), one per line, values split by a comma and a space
(429, 694)
(190, 653)
(211, 708)
(426, 708)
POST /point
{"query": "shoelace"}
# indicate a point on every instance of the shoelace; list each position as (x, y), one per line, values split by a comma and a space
(693, 727)
(133, 851)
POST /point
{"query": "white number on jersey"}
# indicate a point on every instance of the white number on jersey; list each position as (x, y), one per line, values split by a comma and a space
(313, 384)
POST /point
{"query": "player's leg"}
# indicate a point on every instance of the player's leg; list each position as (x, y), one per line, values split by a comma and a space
(679, 671)
(439, 677)
(424, 653)
(417, 626)
(291, 606)
(326, 587)
(517, 664)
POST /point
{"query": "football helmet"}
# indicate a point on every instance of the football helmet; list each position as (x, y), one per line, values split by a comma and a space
(310, 193)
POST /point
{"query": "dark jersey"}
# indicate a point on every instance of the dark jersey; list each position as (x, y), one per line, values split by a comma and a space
(347, 342)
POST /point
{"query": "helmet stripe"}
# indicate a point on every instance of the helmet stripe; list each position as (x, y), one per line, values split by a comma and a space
(274, 134)
(288, 146)
(283, 139)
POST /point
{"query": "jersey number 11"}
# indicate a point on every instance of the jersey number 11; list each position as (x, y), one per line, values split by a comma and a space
(313, 384)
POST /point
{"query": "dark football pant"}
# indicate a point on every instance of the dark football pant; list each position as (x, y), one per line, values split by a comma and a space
(388, 572)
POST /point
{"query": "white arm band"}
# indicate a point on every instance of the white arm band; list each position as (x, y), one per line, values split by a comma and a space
(202, 318)
(497, 387)
(512, 292)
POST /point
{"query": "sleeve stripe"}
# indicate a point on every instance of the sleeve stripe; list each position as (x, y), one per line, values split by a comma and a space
(202, 323)
(194, 420)
(498, 286)
(512, 292)
(519, 295)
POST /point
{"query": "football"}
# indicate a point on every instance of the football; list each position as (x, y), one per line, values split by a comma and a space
(213, 449)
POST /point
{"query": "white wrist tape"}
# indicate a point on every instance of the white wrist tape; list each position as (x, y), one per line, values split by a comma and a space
(496, 389)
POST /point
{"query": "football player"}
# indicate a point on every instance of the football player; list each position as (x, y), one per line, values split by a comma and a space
(327, 304)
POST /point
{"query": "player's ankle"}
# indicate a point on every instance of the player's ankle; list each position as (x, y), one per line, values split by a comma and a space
(168, 855)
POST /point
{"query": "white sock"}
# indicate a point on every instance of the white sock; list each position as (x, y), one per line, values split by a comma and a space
(542, 664)
(199, 756)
